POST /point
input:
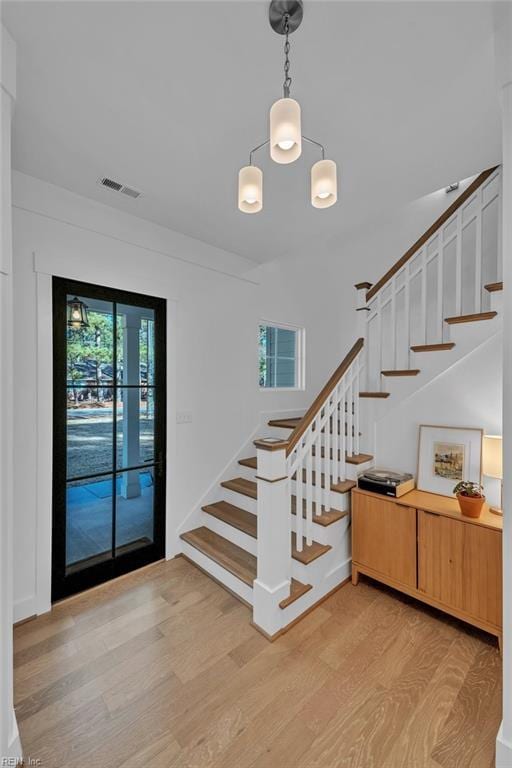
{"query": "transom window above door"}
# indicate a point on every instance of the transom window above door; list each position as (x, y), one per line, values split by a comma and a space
(281, 356)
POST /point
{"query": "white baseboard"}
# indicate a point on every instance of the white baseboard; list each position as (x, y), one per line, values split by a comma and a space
(14, 754)
(24, 608)
(503, 751)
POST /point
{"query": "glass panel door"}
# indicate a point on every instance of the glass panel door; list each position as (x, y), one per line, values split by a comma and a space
(109, 434)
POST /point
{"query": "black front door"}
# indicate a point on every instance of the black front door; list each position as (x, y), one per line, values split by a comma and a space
(109, 365)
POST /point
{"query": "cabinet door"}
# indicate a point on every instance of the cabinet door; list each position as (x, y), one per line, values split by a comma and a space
(459, 564)
(384, 537)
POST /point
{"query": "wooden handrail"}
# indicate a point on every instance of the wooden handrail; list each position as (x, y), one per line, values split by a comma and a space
(438, 223)
(313, 410)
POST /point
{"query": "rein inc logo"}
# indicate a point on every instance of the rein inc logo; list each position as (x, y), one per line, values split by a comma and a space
(16, 762)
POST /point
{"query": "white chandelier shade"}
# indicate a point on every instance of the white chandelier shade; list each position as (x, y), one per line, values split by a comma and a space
(285, 136)
(250, 189)
(285, 131)
(324, 186)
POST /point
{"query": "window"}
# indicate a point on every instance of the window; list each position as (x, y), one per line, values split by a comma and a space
(281, 356)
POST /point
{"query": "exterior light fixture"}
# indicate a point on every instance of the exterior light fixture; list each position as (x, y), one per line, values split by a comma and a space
(286, 136)
(77, 314)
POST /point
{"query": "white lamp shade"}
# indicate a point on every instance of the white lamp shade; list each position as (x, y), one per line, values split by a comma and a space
(285, 131)
(250, 189)
(324, 186)
(492, 456)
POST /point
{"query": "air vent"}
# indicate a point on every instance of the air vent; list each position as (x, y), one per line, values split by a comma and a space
(130, 192)
(111, 184)
(117, 187)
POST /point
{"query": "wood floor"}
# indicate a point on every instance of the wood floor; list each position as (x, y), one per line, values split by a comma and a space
(162, 669)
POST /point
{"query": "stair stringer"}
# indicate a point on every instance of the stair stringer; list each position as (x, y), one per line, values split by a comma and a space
(194, 518)
(380, 427)
(468, 338)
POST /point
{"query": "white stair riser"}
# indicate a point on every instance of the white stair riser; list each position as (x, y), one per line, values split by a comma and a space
(229, 532)
(496, 302)
(218, 572)
(340, 501)
(239, 500)
(326, 534)
(314, 572)
(351, 470)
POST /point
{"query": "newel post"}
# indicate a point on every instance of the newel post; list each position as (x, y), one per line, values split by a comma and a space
(362, 307)
(274, 536)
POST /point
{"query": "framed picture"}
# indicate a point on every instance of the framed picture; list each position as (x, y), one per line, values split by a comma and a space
(447, 455)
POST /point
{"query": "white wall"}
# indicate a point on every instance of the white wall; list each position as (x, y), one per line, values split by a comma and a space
(469, 394)
(212, 352)
(218, 299)
(10, 748)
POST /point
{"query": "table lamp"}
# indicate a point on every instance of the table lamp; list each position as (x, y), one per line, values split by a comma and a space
(492, 463)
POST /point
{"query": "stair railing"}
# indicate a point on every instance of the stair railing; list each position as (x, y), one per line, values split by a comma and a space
(317, 448)
(316, 456)
(441, 276)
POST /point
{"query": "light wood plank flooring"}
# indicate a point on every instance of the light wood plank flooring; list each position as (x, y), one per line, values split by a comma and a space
(161, 669)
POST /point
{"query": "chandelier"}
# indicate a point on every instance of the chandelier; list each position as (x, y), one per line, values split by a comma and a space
(286, 135)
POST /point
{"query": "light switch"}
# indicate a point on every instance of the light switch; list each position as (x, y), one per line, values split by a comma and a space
(184, 417)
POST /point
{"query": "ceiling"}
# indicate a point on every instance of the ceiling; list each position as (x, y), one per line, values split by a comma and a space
(169, 97)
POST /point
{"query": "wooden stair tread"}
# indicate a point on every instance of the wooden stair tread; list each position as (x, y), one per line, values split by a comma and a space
(285, 423)
(404, 372)
(297, 589)
(342, 487)
(248, 523)
(243, 486)
(359, 458)
(235, 516)
(309, 553)
(292, 423)
(356, 458)
(470, 318)
(325, 519)
(374, 394)
(492, 287)
(234, 559)
(251, 462)
(433, 347)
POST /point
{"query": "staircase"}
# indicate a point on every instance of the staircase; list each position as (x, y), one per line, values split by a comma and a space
(277, 531)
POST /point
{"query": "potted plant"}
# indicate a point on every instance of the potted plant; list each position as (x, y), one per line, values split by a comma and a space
(470, 497)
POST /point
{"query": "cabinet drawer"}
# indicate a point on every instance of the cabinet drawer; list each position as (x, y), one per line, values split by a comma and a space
(459, 564)
(384, 538)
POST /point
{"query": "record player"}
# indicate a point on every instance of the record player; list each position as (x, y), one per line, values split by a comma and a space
(386, 482)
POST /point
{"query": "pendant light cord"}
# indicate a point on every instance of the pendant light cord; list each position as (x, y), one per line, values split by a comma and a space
(287, 79)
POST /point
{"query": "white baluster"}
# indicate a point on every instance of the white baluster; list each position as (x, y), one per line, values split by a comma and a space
(350, 419)
(423, 325)
(440, 288)
(356, 408)
(343, 428)
(299, 486)
(458, 266)
(332, 420)
(478, 252)
(318, 466)
(393, 324)
(336, 437)
(309, 479)
(407, 316)
(499, 266)
(381, 340)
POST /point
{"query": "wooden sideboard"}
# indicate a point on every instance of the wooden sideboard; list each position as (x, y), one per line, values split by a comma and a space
(422, 545)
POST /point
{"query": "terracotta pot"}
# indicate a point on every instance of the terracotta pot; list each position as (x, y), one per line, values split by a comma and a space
(471, 506)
